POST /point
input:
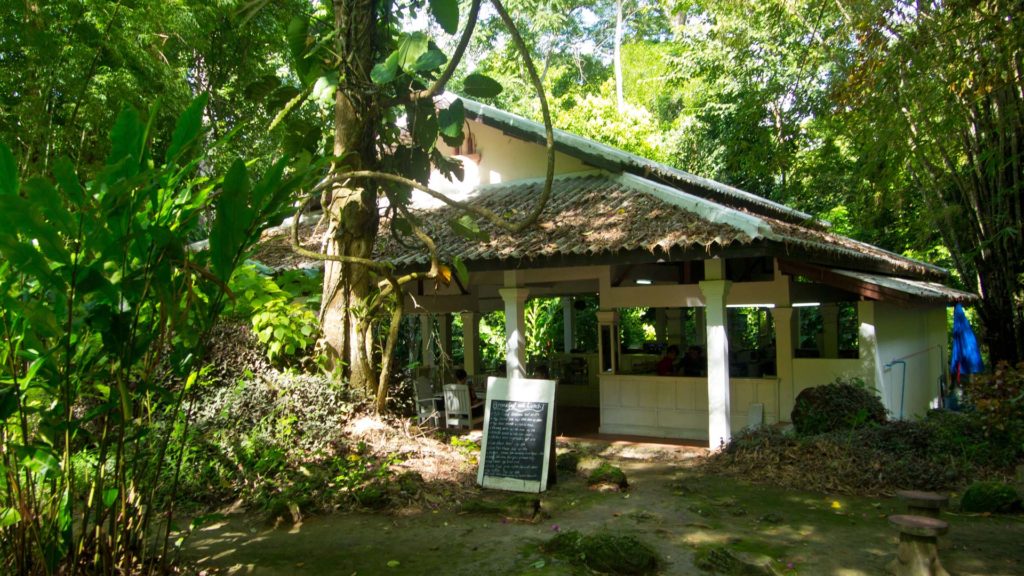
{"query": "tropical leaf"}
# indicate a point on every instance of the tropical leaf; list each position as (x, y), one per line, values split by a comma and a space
(480, 86)
(446, 14)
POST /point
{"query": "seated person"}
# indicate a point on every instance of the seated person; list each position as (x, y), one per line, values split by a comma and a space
(667, 365)
(694, 363)
(477, 404)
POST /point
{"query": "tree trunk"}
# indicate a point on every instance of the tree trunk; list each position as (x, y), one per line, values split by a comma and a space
(352, 207)
(620, 101)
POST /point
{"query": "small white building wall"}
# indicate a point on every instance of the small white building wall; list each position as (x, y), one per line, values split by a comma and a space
(497, 158)
(916, 336)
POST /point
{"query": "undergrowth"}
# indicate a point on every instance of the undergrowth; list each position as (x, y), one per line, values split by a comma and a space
(944, 451)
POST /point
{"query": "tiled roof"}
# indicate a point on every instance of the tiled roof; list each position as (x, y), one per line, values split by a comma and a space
(601, 214)
(586, 215)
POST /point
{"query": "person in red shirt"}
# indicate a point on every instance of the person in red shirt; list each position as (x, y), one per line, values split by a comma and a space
(667, 365)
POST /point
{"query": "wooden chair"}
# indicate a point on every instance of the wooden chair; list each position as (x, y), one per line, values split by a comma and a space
(458, 410)
(426, 409)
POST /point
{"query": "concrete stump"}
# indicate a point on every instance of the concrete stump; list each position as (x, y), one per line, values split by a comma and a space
(918, 553)
(920, 503)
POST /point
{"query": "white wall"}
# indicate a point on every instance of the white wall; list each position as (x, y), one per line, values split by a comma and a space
(916, 336)
(498, 158)
(676, 407)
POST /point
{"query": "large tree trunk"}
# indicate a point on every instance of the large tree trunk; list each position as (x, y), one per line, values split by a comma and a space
(352, 206)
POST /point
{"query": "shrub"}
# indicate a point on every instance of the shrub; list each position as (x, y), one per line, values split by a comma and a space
(989, 497)
(837, 406)
(281, 321)
(608, 475)
(999, 400)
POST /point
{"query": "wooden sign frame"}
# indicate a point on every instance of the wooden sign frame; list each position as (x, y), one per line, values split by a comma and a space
(524, 396)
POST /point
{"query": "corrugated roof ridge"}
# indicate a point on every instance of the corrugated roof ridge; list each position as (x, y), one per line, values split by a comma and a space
(593, 151)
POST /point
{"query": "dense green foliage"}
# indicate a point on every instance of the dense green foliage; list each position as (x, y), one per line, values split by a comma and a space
(103, 307)
(944, 451)
(286, 327)
(989, 497)
(998, 400)
(836, 407)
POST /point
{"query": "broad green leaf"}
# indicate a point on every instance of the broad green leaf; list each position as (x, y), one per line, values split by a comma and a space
(323, 90)
(446, 13)
(424, 130)
(466, 227)
(298, 32)
(39, 459)
(451, 119)
(460, 270)
(410, 48)
(8, 171)
(109, 497)
(67, 180)
(126, 142)
(385, 71)
(432, 59)
(480, 86)
(9, 517)
(234, 216)
(189, 125)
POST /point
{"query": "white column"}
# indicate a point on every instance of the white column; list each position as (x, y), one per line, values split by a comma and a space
(830, 330)
(515, 335)
(471, 343)
(785, 336)
(660, 325)
(568, 321)
(867, 336)
(719, 429)
(608, 353)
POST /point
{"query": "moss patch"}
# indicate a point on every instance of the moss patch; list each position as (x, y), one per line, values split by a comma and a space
(989, 497)
(607, 475)
(604, 552)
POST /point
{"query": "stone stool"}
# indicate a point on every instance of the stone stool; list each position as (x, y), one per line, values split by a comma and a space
(923, 503)
(918, 553)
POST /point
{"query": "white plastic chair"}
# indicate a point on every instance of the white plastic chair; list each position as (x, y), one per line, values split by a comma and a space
(425, 407)
(458, 410)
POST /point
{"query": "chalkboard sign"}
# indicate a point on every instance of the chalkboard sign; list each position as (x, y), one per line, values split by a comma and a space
(517, 434)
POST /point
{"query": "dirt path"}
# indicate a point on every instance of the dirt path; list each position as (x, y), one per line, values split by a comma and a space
(670, 506)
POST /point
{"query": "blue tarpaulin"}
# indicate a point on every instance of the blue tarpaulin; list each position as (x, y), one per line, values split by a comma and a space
(966, 356)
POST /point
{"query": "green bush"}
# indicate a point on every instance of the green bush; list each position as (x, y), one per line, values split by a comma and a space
(989, 497)
(606, 474)
(999, 399)
(282, 322)
(837, 406)
(943, 451)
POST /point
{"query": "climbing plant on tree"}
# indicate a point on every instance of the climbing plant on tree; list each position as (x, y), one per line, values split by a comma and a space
(379, 73)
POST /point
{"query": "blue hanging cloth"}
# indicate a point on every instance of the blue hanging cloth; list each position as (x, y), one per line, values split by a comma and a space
(966, 356)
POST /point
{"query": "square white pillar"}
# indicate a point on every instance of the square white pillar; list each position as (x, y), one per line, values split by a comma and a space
(785, 336)
(608, 341)
(515, 331)
(719, 425)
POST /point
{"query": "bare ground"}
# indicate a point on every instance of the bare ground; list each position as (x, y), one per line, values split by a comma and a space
(456, 528)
